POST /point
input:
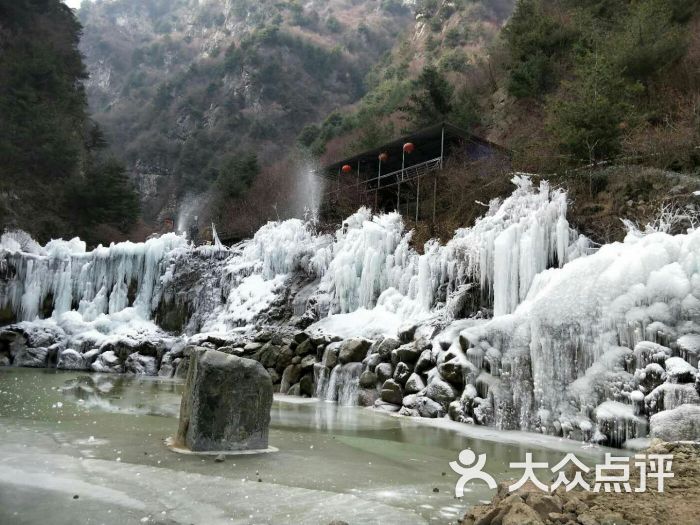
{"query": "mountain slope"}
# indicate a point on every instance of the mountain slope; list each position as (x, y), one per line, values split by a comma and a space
(183, 87)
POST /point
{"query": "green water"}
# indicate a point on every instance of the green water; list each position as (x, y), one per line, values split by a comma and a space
(100, 437)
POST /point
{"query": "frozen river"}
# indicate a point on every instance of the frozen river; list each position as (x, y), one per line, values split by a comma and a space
(81, 448)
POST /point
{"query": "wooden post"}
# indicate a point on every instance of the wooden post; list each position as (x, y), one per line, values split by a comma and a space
(360, 198)
(376, 191)
(417, 197)
(442, 156)
(398, 196)
(434, 194)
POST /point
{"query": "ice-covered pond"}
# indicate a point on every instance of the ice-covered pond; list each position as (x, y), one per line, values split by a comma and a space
(82, 448)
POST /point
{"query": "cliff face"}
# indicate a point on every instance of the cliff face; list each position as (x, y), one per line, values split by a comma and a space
(178, 85)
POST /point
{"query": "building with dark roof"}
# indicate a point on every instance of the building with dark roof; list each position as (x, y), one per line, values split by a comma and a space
(392, 176)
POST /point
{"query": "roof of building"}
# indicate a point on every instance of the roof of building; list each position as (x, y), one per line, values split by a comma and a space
(427, 142)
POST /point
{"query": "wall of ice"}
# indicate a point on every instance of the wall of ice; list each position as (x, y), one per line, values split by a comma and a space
(62, 276)
(602, 340)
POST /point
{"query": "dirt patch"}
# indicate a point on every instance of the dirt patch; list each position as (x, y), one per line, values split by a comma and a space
(678, 504)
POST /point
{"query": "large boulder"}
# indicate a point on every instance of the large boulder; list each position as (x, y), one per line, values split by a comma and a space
(353, 350)
(402, 372)
(680, 424)
(290, 376)
(32, 357)
(330, 355)
(108, 362)
(442, 392)
(225, 405)
(384, 371)
(70, 359)
(414, 384)
(141, 364)
(392, 392)
(385, 348)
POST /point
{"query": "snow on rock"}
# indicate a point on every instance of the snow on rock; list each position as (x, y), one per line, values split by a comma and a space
(679, 371)
(679, 424)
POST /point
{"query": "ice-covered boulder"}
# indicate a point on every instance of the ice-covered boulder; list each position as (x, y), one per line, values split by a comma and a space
(226, 403)
(679, 424)
(689, 347)
(108, 362)
(141, 364)
(679, 371)
(32, 357)
(70, 359)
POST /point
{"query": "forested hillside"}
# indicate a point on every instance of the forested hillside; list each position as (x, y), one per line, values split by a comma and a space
(563, 84)
(55, 178)
(185, 90)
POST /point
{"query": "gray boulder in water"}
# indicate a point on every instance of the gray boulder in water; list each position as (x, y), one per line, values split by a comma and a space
(225, 405)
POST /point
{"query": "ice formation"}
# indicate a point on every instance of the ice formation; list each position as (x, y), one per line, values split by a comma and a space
(566, 339)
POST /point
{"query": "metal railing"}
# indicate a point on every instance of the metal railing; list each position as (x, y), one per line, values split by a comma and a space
(403, 175)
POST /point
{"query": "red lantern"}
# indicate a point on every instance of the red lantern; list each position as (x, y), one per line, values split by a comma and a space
(346, 169)
(383, 157)
(408, 147)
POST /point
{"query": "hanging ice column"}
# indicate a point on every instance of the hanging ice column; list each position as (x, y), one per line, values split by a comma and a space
(62, 274)
(530, 245)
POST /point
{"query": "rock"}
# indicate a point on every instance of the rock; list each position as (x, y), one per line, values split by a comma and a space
(70, 359)
(4, 360)
(301, 337)
(225, 404)
(679, 424)
(386, 347)
(220, 458)
(587, 518)
(252, 347)
(182, 365)
(456, 411)
(353, 350)
(366, 397)
(368, 379)
(425, 362)
(384, 371)
(274, 375)
(167, 367)
(290, 376)
(391, 392)
(32, 357)
(442, 392)
(304, 348)
(386, 407)
(521, 514)
(108, 362)
(401, 373)
(330, 355)
(141, 365)
(679, 371)
(296, 360)
(428, 408)
(406, 332)
(407, 354)
(371, 361)
(453, 372)
(307, 363)
(544, 504)
(414, 384)
(410, 401)
(306, 385)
